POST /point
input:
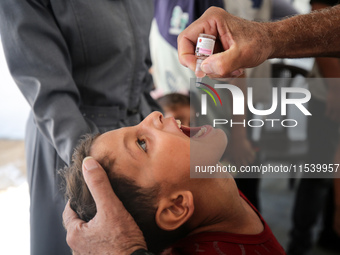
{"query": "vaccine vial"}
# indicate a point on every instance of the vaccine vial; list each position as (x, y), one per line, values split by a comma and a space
(204, 48)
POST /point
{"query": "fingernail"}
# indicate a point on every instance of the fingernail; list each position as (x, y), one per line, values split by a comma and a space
(206, 68)
(89, 163)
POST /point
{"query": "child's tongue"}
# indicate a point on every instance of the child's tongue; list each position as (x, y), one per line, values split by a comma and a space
(190, 132)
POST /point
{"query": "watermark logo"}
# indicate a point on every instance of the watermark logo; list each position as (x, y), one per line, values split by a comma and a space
(204, 96)
(239, 102)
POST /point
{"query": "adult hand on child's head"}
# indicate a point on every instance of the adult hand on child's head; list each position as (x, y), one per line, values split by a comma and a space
(240, 44)
(112, 230)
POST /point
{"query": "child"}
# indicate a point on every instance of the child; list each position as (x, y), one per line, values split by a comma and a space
(149, 169)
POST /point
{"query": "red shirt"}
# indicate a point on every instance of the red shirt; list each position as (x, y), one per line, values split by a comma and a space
(220, 243)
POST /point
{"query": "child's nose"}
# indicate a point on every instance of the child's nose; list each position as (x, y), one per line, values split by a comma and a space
(154, 120)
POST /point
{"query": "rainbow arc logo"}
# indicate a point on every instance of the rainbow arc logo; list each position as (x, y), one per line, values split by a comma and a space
(209, 93)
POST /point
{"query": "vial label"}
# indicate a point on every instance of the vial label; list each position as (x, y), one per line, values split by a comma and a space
(205, 46)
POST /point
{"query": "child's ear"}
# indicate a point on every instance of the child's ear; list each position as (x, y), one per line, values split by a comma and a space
(175, 210)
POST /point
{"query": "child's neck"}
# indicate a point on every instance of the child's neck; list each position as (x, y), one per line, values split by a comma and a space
(227, 211)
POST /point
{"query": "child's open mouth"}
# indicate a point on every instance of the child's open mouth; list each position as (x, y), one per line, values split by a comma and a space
(194, 132)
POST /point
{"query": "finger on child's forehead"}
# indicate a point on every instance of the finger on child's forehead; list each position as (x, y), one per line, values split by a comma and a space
(99, 186)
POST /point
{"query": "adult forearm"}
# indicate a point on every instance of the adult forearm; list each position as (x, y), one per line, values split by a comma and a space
(311, 35)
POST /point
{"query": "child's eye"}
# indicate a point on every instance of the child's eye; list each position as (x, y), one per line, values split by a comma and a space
(142, 144)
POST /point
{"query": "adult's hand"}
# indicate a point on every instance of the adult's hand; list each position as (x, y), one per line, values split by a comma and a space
(240, 43)
(112, 230)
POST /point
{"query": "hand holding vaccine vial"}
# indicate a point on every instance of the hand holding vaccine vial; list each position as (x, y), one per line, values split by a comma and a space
(204, 48)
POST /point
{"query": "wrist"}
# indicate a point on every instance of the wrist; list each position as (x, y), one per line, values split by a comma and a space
(270, 29)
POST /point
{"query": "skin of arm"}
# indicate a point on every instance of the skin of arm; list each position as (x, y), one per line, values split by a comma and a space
(310, 35)
(112, 230)
(247, 44)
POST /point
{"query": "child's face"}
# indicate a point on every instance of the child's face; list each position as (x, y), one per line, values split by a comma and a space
(157, 150)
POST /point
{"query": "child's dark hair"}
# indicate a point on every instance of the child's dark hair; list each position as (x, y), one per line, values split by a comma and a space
(141, 203)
